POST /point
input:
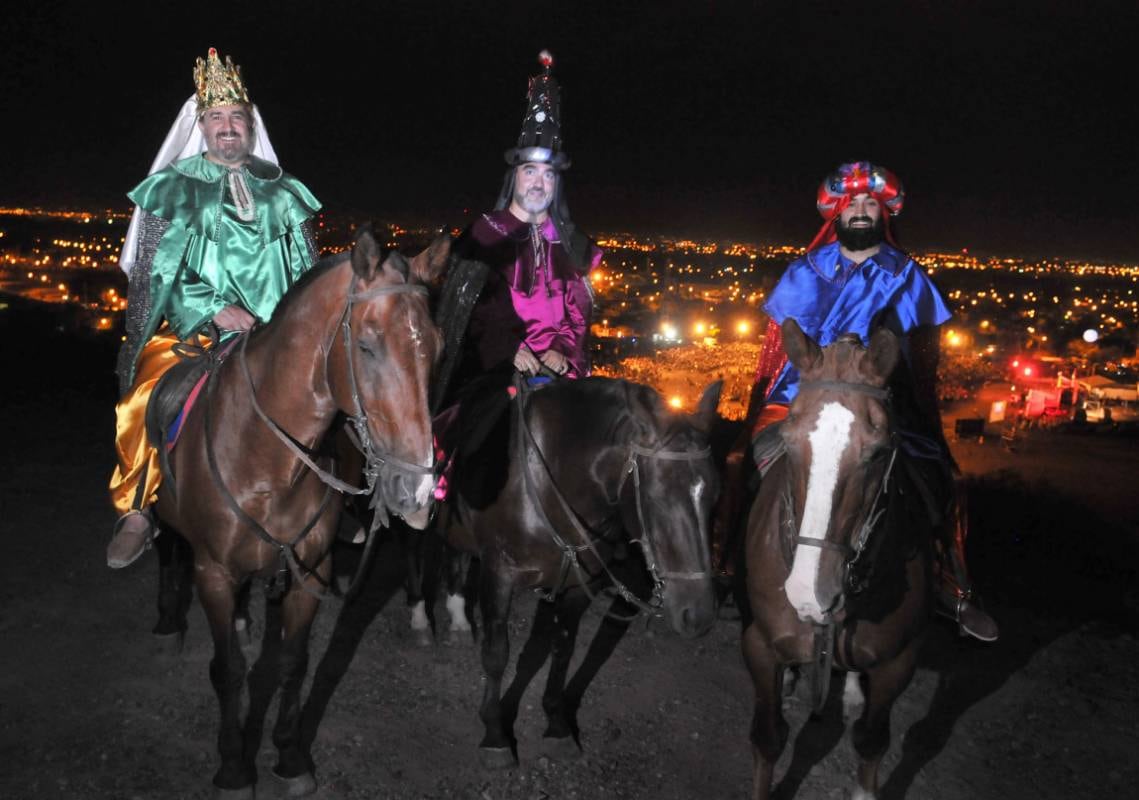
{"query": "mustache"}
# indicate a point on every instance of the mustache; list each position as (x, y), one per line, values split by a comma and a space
(865, 219)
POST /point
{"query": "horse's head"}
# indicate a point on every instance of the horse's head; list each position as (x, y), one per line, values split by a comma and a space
(674, 483)
(839, 447)
(380, 371)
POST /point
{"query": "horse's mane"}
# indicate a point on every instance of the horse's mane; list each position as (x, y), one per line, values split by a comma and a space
(326, 264)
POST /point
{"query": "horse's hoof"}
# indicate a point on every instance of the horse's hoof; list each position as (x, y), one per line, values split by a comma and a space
(300, 786)
(496, 757)
(560, 748)
(244, 793)
(423, 638)
(169, 645)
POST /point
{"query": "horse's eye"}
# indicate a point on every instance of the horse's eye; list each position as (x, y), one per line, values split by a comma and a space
(366, 350)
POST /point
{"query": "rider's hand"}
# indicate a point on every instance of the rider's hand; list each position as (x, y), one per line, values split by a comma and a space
(234, 318)
(526, 362)
(555, 362)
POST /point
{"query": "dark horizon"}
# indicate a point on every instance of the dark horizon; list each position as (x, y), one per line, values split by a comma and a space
(711, 122)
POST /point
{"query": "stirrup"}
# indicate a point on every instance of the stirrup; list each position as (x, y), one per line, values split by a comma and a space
(983, 627)
(121, 560)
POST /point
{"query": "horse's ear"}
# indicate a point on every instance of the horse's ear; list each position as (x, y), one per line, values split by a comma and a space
(398, 262)
(365, 254)
(429, 266)
(801, 349)
(645, 406)
(883, 353)
(705, 415)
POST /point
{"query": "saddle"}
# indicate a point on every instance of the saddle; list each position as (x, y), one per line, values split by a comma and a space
(175, 392)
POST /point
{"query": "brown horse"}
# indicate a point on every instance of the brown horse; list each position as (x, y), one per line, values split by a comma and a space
(597, 470)
(252, 489)
(838, 554)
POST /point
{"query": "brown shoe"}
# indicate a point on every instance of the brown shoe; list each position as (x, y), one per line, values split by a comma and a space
(133, 534)
(972, 621)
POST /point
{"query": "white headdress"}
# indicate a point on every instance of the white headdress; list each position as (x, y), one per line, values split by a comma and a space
(184, 140)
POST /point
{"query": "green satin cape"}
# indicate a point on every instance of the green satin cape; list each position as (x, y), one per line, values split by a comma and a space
(209, 258)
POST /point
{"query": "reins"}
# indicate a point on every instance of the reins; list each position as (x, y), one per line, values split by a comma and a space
(571, 561)
(823, 637)
(286, 551)
(376, 460)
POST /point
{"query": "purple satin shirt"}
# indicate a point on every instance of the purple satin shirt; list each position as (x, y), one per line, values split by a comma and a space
(533, 295)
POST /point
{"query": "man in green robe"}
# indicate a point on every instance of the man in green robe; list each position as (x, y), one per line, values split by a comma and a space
(219, 237)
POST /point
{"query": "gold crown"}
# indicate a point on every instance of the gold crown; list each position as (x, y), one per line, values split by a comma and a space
(218, 84)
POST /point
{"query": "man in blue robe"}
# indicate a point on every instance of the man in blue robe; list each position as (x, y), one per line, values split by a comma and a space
(852, 279)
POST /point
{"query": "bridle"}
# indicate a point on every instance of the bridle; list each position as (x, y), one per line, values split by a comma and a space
(377, 461)
(571, 561)
(823, 635)
(852, 554)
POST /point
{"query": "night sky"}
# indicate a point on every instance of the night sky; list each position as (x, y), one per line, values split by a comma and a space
(695, 118)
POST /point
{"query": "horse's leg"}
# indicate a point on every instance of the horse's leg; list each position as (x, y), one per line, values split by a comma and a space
(416, 586)
(457, 563)
(871, 733)
(175, 578)
(298, 610)
(242, 621)
(558, 738)
(768, 728)
(495, 595)
(236, 775)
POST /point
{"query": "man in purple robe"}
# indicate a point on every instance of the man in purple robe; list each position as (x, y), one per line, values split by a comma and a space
(518, 297)
(534, 307)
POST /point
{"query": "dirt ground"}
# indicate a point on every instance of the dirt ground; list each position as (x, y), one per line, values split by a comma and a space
(89, 710)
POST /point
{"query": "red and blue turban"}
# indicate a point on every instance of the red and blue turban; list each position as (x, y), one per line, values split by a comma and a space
(858, 177)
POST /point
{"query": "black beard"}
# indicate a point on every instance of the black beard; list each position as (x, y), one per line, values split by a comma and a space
(856, 239)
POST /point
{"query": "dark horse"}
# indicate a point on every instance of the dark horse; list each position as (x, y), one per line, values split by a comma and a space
(597, 468)
(839, 554)
(252, 489)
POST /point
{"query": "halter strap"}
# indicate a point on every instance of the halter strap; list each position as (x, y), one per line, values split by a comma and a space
(376, 291)
(670, 455)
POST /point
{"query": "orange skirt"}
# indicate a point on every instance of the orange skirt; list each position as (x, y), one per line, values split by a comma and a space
(134, 484)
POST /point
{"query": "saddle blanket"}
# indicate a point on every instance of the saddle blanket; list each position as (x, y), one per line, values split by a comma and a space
(176, 425)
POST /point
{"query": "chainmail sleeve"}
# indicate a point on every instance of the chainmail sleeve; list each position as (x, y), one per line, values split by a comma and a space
(308, 234)
(151, 231)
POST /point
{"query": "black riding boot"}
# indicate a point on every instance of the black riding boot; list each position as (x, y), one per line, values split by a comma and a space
(955, 597)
